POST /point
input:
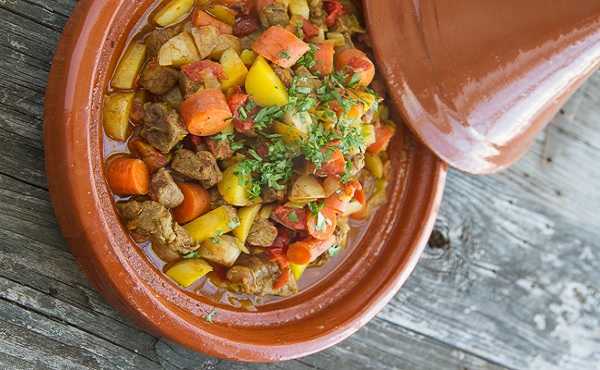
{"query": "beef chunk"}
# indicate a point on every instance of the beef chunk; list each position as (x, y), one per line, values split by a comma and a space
(154, 222)
(158, 37)
(158, 79)
(162, 127)
(164, 190)
(270, 195)
(262, 233)
(256, 275)
(201, 166)
(216, 199)
(317, 13)
(221, 149)
(173, 97)
(247, 41)
(188, 86)
(285, 75)
(274, 14)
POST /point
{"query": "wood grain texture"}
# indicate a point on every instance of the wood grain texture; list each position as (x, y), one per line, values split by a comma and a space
(510, 280)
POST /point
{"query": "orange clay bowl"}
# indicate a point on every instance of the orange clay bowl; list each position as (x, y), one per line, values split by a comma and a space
(370, 273)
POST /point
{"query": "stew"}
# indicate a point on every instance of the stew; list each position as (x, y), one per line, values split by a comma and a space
(254, 139)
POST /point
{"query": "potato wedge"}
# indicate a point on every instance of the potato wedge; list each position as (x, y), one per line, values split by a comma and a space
(129, 67)
(206, 39)
(214, 223)
(306, 188)
(186, 272)
(173, 11)
(179, 50)
(117, 108)
(289, 134)
(222, 13)
(300, 8)
(234, 68)
(225, 42)
(264, 85)
(247, 216)
(223, 250)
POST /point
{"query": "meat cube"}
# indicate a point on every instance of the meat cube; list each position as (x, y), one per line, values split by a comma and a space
(201, 166)
(164, 190)
(285, 75)
(275, 14)
(163, 128)
(158, 37)
(153, 221)
(262, 233)
(270, 195)
(187, 86)
(158, 79)
(256, 275)
(221, 149)
(173, 97)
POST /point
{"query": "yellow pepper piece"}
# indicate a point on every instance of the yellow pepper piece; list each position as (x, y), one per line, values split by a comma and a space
(374, 164)
(174, 11)
(248, 56)
(264, 85)
(214, 223)
(297, 270)
(186, 272)
(234, 68)
(235, 190)
(247, 216)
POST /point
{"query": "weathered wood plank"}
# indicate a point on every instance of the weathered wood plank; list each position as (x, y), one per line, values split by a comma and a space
(518, 281)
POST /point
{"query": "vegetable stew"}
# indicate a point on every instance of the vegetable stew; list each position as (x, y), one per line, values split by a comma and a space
(246, 140)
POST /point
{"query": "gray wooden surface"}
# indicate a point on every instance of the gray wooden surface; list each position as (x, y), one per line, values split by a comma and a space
(510, 280)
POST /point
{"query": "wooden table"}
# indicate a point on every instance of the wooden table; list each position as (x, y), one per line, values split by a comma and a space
(511, 278)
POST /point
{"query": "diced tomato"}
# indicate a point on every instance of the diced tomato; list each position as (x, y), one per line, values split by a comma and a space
(309, 30)
(335, 165)
(221, 149)
(383, 136)
(292, 218)
(197, 70)
(235, 101)
(245, 25)
(283, 238)
(278, 255)
(282, 279)
(262, 149)
(322, 225)
(340, 200)
(245, 127)
(334, 10)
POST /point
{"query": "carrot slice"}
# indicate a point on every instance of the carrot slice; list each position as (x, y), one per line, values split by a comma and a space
(383, 135)
(202, 18)
(280, 46)
(206, 112)
(154, 159)
(340, 200)
(324, 58)
(322, 225)
(355, 61)
(307, 250)
(128, 176)
(196, 202)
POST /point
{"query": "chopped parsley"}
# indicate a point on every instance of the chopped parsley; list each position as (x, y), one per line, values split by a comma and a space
(292, 216)
(354, 80)
(315, 207)
(334, 250)
(233, 223)
(284, 54)
(266, 115)
(210, 316)
(308, 59)
(193, 254)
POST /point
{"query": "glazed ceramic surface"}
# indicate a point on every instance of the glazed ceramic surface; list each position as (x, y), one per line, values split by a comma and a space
(476, 79)
(370, 273)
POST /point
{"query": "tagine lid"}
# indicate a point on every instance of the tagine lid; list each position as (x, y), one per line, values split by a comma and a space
(477, 80)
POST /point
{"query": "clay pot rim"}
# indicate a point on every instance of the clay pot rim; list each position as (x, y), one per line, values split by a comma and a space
(87, 218)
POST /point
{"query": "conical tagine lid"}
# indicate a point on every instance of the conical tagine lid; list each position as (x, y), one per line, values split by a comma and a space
(477, 79)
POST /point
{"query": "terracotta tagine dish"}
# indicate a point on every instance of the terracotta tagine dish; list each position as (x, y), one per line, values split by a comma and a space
(473, 82)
